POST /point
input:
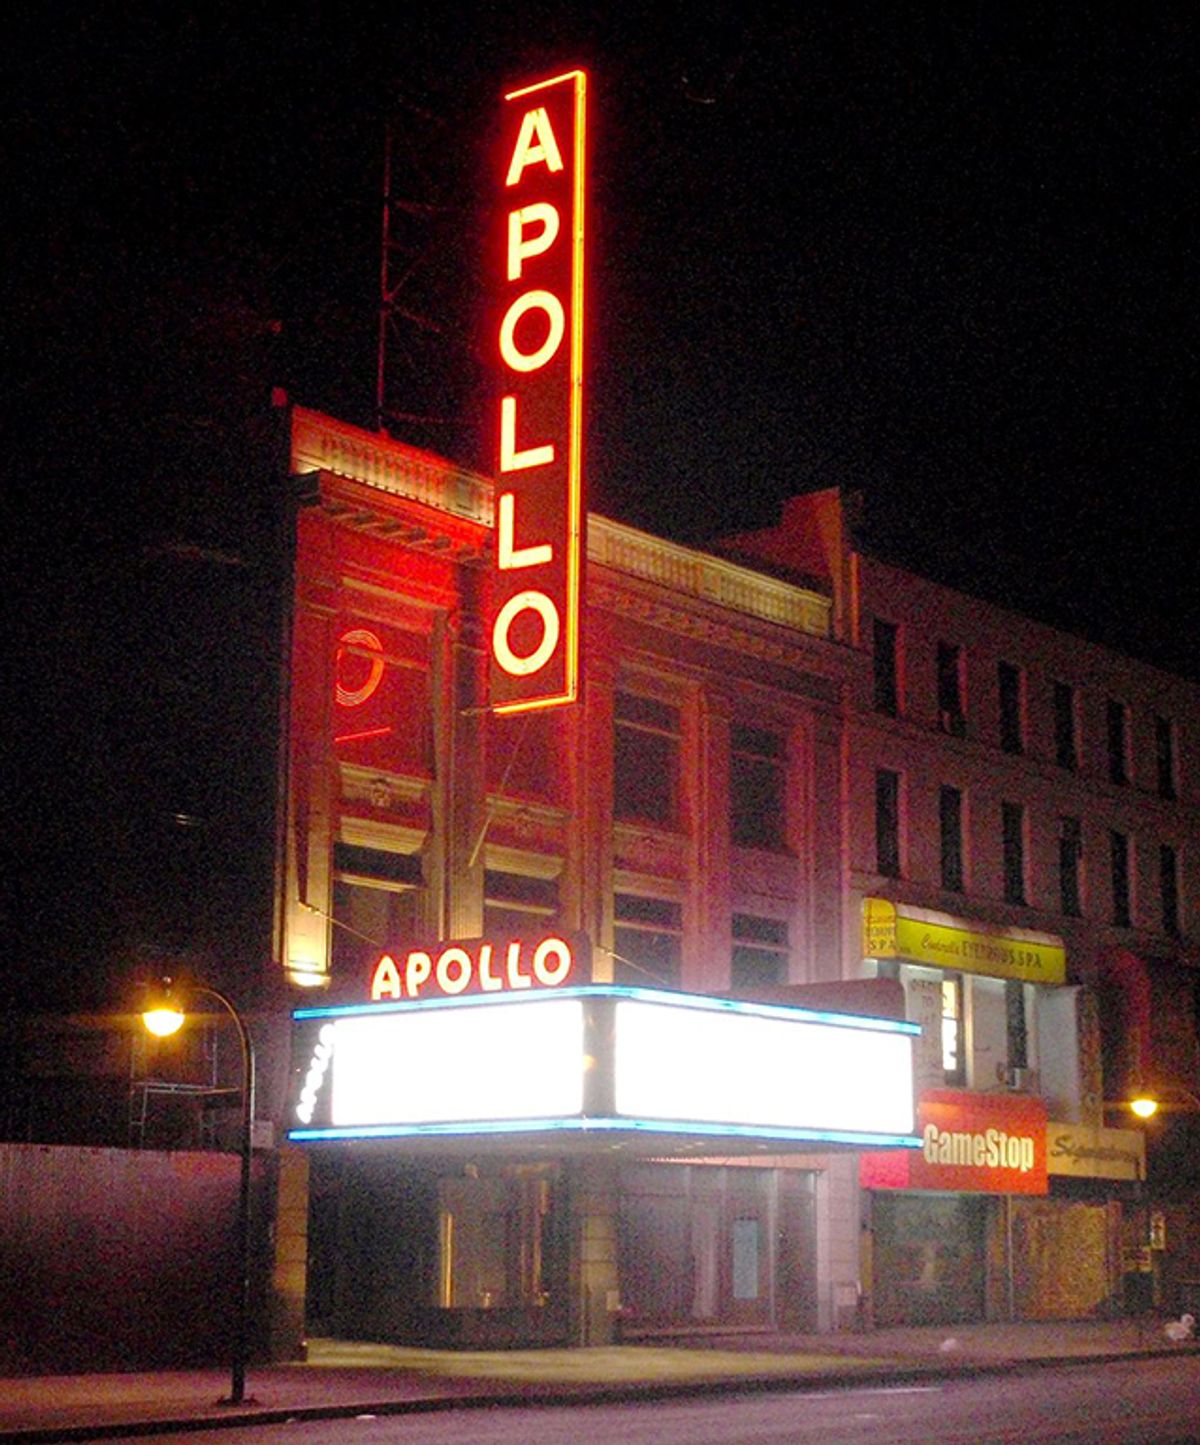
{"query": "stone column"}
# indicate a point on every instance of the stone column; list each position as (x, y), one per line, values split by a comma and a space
(595, 1283)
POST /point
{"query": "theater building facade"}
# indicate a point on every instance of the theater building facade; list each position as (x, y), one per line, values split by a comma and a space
(680, 1007)
(676, 835)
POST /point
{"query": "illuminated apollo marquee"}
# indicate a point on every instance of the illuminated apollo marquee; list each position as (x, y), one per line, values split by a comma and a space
(605, 1063)
(480, 965)
(539, 419)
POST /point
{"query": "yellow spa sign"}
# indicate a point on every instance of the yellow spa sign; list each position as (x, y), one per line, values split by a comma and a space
(889, 933)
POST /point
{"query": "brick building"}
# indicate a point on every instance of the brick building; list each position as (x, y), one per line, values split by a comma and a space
(797, 776)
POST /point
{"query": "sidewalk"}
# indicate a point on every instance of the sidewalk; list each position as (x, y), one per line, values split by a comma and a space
(346, 1379)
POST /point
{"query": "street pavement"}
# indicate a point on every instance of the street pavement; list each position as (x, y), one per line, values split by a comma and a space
(342, 1379)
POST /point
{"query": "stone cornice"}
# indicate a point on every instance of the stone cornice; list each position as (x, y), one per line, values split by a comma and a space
(322, 444)
(711, 579)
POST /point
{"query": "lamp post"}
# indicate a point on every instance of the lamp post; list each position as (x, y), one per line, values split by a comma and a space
(164, 1016)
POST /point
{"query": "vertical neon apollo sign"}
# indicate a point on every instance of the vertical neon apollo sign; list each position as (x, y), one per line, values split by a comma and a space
(539, 422)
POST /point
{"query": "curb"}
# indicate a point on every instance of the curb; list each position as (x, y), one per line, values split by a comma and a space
(565, 1396)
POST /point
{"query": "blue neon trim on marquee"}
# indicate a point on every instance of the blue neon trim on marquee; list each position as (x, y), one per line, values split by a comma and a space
(700, 1001)
(607, 1125)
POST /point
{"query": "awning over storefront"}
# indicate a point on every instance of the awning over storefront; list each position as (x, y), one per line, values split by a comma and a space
(1086, 1151)
(938, 940)
(648, 1071)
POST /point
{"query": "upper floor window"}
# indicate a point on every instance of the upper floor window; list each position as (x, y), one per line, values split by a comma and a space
(376, 898)
(757, 788)
(1117, 722)
(951, 691)
(887, 667)
(1066, 728)
(1164, 756)
(647, 941)
(515, 904)
(1168, 888)
(887, 822)
(1010, 684)
(1122, 891)
(760, 951)
(950, 819)
(1070, 866)
(1016, 1023)
(1012, 819)
(645, 760)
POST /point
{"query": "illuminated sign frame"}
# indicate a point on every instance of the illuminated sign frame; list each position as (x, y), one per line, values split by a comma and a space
(482, 965)
(970, 1143)
(604, 1061)
(539, 513)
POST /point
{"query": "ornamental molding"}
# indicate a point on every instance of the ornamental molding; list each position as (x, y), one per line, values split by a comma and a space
(321, 444)
(698, 626)
(649, 851)
(711, 579)
(381, 789)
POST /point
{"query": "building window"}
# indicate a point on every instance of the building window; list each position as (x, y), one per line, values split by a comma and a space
(376, 896)
(757, 788)
(887, 667)
(950, 817)
(1168, 888)
(887, 822)
(1117, 719)
(1012, 818)
(1070, 866)
(514, 904)
(953, 1059)
(1066, 741)
(646, 760)
(1164, 754)
(760, 952)
(1010, 683)
(1017, 1024)
(647, 941)
(950, 692)
(1122, 912)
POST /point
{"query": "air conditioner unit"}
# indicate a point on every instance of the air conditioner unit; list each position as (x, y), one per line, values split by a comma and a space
(1023, 1080)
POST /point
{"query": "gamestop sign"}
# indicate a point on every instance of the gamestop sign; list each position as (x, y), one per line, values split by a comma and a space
(539, 416)
(974, 1143)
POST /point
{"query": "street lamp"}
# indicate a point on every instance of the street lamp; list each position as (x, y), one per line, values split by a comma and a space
(1145, 1104)
(163, 1016)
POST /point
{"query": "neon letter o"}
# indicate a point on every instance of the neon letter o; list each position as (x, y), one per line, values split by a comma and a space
(453, 957)
(546, 973)
(552, 306)
(523, 666)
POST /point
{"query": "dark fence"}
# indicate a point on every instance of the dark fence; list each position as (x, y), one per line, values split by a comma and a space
(116, 1259)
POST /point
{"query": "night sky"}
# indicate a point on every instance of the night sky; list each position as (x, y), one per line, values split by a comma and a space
(940, 254)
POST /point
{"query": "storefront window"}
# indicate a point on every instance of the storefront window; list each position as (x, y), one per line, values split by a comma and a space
(953, 1062)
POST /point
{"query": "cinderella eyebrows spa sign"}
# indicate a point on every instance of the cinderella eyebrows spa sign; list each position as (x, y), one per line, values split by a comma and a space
(604, 1062)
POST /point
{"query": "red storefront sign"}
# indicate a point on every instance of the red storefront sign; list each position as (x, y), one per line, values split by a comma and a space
(539, 418)
(480, 965)
(970, 1143)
